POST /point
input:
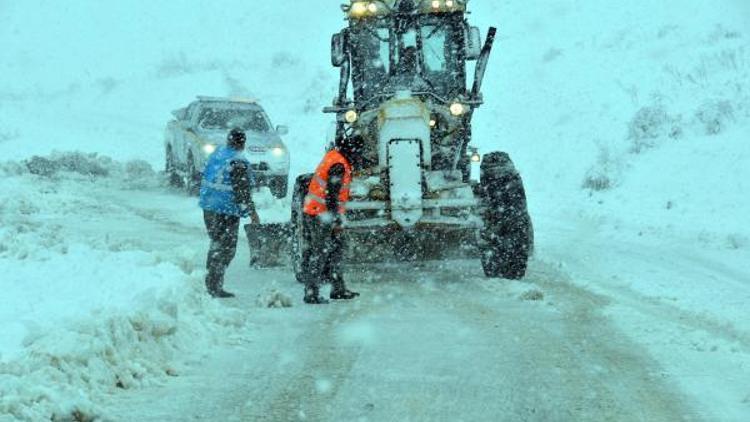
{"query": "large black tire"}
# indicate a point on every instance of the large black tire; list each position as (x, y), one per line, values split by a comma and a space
(279, 186)
(192, 177)
(170, 169)
(299, 245)
(507, 241)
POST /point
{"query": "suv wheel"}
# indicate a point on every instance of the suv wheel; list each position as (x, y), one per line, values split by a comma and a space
(192, 177)
(279, 186)
(170, 169)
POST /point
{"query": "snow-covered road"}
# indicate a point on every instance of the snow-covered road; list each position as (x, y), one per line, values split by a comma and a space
(433, 342)
(605, 330)
(438, 343)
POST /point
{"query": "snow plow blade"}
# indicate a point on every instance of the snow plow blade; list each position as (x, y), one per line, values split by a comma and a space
(269, 244)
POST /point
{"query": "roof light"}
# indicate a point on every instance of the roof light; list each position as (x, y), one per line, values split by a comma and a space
(442, 6)
(359, 9)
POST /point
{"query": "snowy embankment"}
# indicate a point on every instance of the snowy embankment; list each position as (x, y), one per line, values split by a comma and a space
(94, 294)
(639, 179)
(92, 300)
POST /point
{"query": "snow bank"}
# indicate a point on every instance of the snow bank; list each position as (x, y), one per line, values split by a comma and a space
(637, 170)
(86, 310)
(634, 114)
(680, 167)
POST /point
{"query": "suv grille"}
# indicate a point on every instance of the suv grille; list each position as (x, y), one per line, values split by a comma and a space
(260, 167)
(257, 149)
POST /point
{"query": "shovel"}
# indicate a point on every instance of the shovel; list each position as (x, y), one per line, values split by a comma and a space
(269, 244)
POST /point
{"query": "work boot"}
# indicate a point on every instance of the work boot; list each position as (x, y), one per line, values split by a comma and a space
(220, 293)
(313, 297)
(214, 282)
(343, 294)
(339, 290)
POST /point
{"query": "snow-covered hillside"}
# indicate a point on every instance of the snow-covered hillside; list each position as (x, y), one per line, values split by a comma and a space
(629, 121)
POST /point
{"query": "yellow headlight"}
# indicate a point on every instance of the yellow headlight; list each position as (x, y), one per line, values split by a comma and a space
(448, 3)
(351, 116)
(372, 8)
(436, 4)
(209, 149)
(433, 122)
(457, 109)
(475, 157)
(359, 8)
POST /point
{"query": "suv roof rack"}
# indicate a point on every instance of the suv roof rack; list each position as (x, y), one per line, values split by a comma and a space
(227, 99)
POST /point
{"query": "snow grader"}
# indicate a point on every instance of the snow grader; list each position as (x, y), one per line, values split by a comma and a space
(422, 190)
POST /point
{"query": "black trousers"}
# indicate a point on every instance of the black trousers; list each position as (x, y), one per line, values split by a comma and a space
(223, 231)
(322, 258)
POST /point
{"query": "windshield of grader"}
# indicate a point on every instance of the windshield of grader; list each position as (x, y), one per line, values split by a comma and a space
(421, 55)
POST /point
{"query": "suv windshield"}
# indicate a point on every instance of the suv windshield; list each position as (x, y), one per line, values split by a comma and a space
(226, 118)
(421, 54)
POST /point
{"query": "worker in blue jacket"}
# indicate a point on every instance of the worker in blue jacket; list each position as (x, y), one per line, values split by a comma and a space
(225, 197)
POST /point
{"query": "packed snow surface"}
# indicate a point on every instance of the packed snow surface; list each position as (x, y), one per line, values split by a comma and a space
(628, 120)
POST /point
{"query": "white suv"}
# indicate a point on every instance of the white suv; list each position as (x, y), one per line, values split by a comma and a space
(201, 127)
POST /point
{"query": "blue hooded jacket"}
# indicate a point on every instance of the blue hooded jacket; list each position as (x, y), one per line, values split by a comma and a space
(217, 191)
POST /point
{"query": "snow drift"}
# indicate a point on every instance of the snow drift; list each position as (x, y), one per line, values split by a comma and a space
(89, 303)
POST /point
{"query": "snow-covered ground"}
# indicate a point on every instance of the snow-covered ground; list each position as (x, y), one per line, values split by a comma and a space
(628, 119)
(97, 294)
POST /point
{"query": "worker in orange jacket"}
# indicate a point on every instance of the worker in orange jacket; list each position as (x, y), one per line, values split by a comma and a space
(324, 210)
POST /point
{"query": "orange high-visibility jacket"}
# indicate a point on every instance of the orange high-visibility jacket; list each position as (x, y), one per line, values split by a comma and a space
(315, 201)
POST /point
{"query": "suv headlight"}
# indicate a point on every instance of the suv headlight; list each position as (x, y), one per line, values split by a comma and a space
(209, 149)
(278, 151)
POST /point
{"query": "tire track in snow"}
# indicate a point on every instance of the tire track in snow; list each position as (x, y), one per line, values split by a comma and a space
(562, 362)
(308, 394)
(445, 345)
(658, 309)
(154, 215)
(598, 375)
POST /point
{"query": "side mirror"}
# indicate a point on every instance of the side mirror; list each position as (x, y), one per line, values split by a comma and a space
(473, 43)
(180, 114)
(282, 130)
(338, 50)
